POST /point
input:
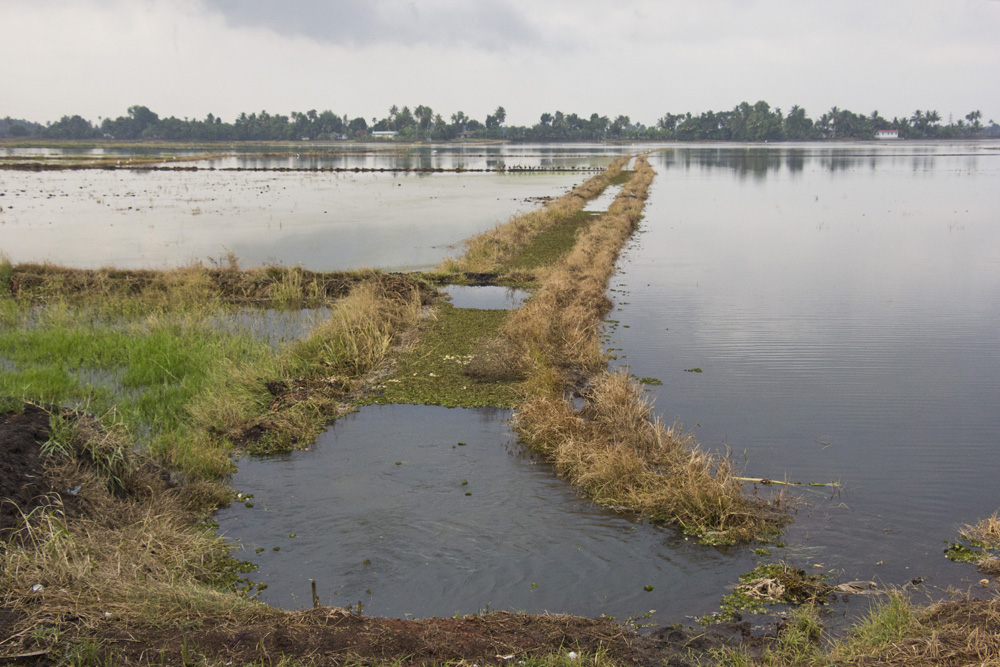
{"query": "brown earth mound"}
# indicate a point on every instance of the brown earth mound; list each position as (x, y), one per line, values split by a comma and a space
(23, 484)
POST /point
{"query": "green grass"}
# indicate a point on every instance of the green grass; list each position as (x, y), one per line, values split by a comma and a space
(140, 372)
(551, 244)
(433, 372)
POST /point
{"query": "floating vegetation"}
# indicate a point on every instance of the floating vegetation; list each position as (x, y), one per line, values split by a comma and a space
(769, 584)
(979, 545)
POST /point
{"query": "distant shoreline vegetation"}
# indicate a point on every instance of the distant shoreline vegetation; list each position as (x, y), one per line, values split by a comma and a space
(744, 122)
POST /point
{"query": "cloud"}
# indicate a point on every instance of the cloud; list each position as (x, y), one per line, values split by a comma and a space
(492, 25)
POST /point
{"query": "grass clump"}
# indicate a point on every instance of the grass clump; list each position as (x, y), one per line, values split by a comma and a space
(625, 458)
(770, 584)
(119, 546)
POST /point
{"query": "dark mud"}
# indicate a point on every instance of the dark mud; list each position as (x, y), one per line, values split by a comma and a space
(23, 483)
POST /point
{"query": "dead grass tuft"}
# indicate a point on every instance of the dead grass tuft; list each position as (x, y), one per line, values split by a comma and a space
(119, 546)
(986, 533)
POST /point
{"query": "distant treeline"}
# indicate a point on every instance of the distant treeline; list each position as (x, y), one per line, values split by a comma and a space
(744, 122)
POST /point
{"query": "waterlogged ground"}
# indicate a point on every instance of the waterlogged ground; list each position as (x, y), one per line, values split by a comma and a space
(325, 155)
(828, 312)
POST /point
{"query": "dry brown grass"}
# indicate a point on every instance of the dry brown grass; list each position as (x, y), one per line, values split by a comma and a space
(986, 533)
(486, 252)
(121, 549)
(560, 326)
(624, 457)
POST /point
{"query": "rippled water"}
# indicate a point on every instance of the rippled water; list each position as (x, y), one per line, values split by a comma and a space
(448, 527)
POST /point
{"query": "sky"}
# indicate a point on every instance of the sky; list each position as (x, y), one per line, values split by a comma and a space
(641, 58)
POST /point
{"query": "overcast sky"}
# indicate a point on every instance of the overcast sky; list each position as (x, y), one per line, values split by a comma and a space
(642, 58)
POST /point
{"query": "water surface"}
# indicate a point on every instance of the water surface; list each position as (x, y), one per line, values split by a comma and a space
(843, 304)
(322, 221)
(431, 511)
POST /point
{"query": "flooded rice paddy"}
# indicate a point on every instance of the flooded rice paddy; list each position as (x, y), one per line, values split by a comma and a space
(829, 313)
(842, 305)
(321, 221)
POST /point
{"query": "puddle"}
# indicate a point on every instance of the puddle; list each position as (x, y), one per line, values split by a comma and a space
(388, 508)
(603, 202)
(487, 297)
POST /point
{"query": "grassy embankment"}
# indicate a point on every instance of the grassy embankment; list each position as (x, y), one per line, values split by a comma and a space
(447, 367)
(175, 391)
(613, 448)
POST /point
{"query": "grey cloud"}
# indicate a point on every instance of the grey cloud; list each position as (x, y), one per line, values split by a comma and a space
(492, 25)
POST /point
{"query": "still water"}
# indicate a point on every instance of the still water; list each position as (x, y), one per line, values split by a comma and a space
(842, 304)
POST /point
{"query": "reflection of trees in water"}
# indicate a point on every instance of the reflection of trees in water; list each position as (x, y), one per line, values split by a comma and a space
(748, 161)
(760, 161)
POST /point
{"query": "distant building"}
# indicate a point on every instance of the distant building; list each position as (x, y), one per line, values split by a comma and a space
(384, 133)
(887, 134)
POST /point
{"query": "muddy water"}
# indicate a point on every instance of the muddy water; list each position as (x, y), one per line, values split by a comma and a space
(843, 305)
(323, 221)
(390, 509)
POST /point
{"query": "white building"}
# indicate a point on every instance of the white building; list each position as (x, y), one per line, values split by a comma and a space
(887, 134)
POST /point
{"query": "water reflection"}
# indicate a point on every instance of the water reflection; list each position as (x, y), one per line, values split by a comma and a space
(845, 318)
(486, 297)
(757, 161)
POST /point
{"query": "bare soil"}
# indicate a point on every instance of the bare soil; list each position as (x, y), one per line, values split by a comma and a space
(23, 483)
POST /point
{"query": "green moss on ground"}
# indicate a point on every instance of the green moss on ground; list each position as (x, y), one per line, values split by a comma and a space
(433, 371)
